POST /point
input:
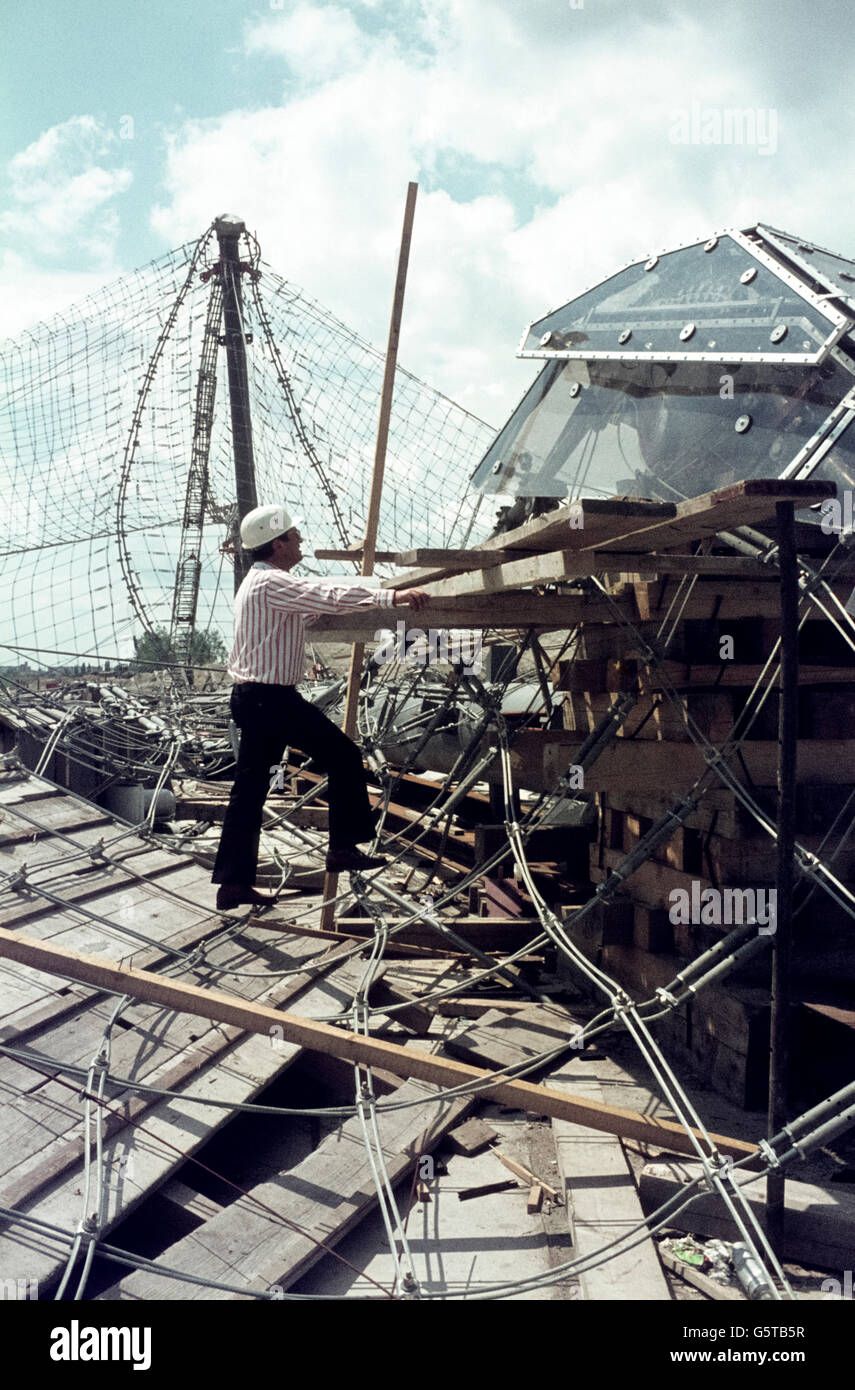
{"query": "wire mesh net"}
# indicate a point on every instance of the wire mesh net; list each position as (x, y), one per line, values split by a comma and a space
(101, 411)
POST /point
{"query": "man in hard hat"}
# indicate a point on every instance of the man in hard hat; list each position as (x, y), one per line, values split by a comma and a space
(272, 611)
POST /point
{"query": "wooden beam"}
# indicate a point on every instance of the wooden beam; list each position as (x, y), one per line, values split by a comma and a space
(479, 611)
(747, 502)
(539, 758)
(457, 559)
(723, 597)
(393, 947)
(381, 557)
(511, 572)
(353, 1047)
(354, 675)
(620, 524)
(568, 525)
(727, 673)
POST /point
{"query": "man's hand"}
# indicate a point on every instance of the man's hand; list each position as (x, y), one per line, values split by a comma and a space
(416, 598)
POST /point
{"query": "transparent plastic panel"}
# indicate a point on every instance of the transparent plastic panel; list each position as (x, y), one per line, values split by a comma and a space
(666, 431)
(694, 300)
(839, 270)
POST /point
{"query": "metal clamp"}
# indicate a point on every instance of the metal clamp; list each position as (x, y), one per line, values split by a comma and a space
(768, 1153)
(19, 879)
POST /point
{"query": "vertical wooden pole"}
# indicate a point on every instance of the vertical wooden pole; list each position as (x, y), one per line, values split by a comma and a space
(779, 1042)
(370, 542)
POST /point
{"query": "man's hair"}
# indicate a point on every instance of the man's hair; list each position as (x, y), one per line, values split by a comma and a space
(263, 552)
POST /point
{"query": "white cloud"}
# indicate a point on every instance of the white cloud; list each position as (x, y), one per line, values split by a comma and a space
(544, 150)
(540, 135)
(316, 43)
(63, 189)
(60, 191)
(31, 293)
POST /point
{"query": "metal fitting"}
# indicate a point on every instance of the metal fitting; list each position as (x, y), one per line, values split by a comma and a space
(768, 1153)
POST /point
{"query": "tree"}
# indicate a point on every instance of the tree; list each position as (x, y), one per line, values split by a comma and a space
(154, 650)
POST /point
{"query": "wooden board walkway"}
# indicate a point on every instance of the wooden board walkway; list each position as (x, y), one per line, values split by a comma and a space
(131, 901)
(602, 1199)
(329, 1191)
(270, 1238)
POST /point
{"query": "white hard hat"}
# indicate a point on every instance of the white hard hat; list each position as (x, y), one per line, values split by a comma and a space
(264, 524)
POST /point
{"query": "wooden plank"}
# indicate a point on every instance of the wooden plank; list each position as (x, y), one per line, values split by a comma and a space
(527, 1176)
(586, 526)
(372, 520)
(52, 1005)
(731, 673)
(471, 1137)
(499, 1039)
(257, 1018)
(539, 759)
(569, 524)
(442, 562)
(486, 1189)
(739, 504)
(487, 933)
(33, 1167)
(394, 948)
(172, 1130)
(322, 1198)
(474, 1006)
(479, 612)
(455, 559)
(602, 1197)
(57, 814)
(114, 893)
(409, 1012)
(512, 573)
(725, 599)
(382, 557)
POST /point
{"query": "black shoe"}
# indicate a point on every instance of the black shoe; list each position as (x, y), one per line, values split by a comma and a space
(341, 861)
(231, 895)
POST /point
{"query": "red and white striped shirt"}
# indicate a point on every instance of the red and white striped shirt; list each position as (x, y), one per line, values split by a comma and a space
(272, 611)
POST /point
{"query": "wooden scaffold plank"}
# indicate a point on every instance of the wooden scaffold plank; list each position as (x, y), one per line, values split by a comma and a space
(353, 1047)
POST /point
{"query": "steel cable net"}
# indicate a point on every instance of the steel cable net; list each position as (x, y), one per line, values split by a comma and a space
(101, 407)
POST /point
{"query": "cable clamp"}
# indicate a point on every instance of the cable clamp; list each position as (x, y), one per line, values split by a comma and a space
(19, 879)
(97, 851)
(768, 1153)
(666, 996)
(807, 861)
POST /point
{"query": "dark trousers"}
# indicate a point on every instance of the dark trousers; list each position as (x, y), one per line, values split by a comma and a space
(271, 717)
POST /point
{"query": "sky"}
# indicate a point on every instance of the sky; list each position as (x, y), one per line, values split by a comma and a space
(553, 141)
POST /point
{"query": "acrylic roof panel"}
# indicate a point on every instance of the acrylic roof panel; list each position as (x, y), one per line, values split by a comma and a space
(837, 271)
(722, 360)
(666, 431)
(710, 298)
